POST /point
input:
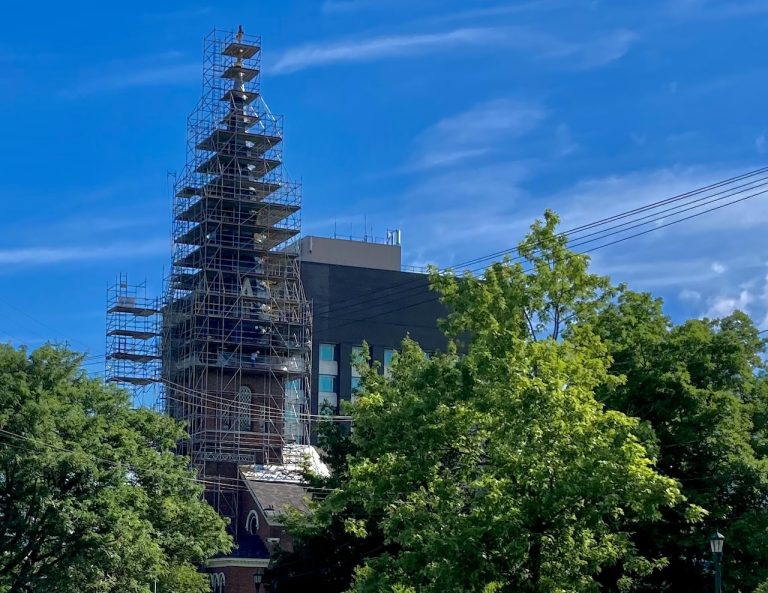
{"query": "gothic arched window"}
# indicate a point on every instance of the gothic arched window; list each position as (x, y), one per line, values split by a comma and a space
(243, 408)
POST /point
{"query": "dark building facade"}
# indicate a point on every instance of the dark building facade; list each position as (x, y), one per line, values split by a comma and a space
(359, 294)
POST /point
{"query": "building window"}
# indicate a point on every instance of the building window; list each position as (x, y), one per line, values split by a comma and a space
(218, 582)
(327, 383)
(355, 384)
(294, 389)
(328, 352)
(243, 406)
(357, 354)
(389, 355)
(356, 358)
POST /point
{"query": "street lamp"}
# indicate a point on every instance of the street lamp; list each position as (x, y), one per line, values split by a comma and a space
(257, 577)
(716, 545)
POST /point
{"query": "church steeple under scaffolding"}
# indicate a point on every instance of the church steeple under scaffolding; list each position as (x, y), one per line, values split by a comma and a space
(236, 323)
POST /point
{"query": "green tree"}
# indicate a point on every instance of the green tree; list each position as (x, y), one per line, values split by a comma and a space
(700, 389)
(499, 470)
(92, 496)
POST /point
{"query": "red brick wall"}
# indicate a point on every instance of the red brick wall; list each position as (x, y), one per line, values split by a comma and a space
(239, 580)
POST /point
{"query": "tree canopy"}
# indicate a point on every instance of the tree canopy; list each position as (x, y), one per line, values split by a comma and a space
(93, 498)
(700, 390)
(499, 469)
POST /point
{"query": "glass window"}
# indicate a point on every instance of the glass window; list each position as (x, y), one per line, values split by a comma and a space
(389, 354)
(293, 388)
(328, 352)
(355, 384)
(327, 383)
(357, 354)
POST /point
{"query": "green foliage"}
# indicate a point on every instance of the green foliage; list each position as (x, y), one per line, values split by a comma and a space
(93, 498)
(700, 389)
(332, 542)
(498, 470)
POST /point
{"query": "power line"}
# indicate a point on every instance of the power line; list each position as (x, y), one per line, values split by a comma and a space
(627, 213)
(435, 298)
(578, 241)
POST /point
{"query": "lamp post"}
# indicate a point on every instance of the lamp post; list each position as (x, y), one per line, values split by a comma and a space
(716, 545)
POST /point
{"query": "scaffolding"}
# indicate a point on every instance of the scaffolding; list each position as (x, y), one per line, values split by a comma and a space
(132, 349)
(236, 337)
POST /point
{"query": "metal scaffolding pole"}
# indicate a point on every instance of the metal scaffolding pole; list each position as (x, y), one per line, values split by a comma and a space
(236, 335)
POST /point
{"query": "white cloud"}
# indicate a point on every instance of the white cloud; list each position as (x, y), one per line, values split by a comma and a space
(457, 217)
(163, 70)
(475, 132)
(501, 10)
(718, 268)
(82, 253)
(725, 305)
(593, 53)
(607, 49)
(690, 296)
(617, 193)
(364, 50)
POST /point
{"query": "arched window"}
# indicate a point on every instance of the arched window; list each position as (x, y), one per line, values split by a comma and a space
(243, 407)
(252, 523)
(218, 582)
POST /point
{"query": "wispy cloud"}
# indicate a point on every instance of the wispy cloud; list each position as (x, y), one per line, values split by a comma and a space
(751, 298)
(475, 132)
(721, 306)
(690, 296)
(584, 54)
(500, 10)
(459, 216)
(164, 70)
(364, 50)
(605, 50)
(38, 256)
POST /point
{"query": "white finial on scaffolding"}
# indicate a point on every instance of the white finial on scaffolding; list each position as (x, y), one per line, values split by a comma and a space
(239, 62)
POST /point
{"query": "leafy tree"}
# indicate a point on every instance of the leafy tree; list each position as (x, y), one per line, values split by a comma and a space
(700, 389)
(498, 470)
(325, 553)
(93, 498)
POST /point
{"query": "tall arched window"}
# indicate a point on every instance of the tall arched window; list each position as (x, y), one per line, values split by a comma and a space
(218, 582)
(243, 407)
(252, 523)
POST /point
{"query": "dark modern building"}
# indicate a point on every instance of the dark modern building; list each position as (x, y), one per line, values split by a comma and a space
(359, 294)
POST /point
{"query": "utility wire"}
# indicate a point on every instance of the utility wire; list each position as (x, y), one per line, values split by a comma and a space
(435, 298)
(578, 241)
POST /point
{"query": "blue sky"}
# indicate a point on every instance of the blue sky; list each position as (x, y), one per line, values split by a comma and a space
(457, 121)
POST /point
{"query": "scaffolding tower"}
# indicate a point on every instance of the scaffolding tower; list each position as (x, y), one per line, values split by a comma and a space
(236, 337)
(133, 331)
